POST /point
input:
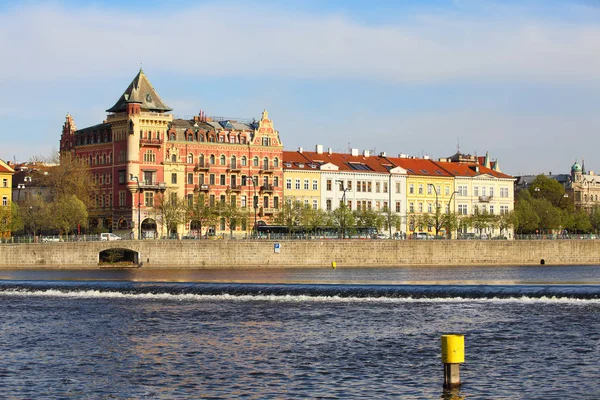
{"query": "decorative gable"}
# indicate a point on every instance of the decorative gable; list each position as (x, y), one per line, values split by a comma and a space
(329, 167)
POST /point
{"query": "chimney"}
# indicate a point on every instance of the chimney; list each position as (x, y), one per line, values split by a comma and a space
(426, 157)
(354, 152)
(319, 149)
(300, 150)
(329, 150)
(402, 155)
(366, 153)
(383, 154)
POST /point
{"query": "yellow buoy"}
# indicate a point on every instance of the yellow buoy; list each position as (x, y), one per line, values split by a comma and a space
(453, 349)
(333, 264)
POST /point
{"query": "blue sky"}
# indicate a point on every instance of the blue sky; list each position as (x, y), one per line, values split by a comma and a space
(518, 79)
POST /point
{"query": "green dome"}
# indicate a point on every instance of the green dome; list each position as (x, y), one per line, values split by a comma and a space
(576, 167)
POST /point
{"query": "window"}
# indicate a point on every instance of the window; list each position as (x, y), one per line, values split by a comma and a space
(174, 178)
(377, 187)
(190, 199)
(122, 199)
(429, 189)
(297, 184)
(233, 180)
(266, 202)
(149, 199)
(288, 183)
(491, 191)
(276, 181)
(475, 190)
(398, 186)
(211, 179)
(369, 205)
(398, 206)
(385, 187)
(462, 209)
(275, 202)
(315, 185)
(5, 201)
(349, 204)
(421, 189)
(244, 201)
(503, 192)
(503, 210)
(222, 199)
(211, 200)
(244, 161)
(491, 209)
(429, 208)
(276, 163)
(306, 184)
(200, 179)
(174, 158)
(349, 185)
(315, 204)
(447, 190)
(190, 178)
(420, 207)
(255, 162)
(233, 162)
(411, 207)
(483, 191)
(265, 181)
(190, 158)
(212, 159)
(222, 160)
(462, 190)
(369, 184)
(329, 184)
(364, 186)
(328, 204)
(121, 177)
(411, 189)
(222, 180)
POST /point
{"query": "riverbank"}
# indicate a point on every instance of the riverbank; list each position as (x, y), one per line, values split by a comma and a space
(309, 253)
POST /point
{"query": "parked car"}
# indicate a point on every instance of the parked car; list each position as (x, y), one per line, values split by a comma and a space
(109, 236)
(47, 239)
(423, 236)
(381, 236)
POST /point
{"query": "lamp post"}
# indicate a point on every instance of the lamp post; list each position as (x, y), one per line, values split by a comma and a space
(255, 203)
(344, 190)
(449, 205)
(20, 186)
(139, 205)
(437, 209)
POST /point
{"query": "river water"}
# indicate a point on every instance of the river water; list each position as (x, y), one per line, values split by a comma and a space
(530, 333)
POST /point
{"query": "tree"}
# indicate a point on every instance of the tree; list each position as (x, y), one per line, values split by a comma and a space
(449, 222)
(68, 212)
(35, 214)
(506, 221)
(290, 214)
(10, 220)
(170, 211)
(595, 218)
(549, 189)
(391, 219)
(200, 211)
(368, 218)
(525, 218)
(230, 213)
(71, 177)
(314, 219)
(579, 222)
(344, 220)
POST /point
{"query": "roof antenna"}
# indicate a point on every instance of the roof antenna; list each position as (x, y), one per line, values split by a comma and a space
(458, 145)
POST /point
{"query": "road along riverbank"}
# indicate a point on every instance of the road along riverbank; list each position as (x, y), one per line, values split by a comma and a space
(298, 253)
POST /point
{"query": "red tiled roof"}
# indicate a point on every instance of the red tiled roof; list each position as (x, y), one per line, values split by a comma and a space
(468, 169)
(345, 162)
(419, 166)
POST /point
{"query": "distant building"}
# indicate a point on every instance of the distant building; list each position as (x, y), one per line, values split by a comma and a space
(6, 174)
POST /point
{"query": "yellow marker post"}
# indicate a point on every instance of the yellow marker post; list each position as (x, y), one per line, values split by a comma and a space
(453, 354)
(333, 264)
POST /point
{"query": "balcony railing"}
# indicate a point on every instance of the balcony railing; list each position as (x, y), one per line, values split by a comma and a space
(233, 168)
(148, 185)
(202, 166)
(234, 188)
(150, 142)
(266, 188)
(268, 210)
(266, 169)
(485, 199)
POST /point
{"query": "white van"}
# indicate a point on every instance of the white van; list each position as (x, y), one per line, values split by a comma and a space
(109, 236)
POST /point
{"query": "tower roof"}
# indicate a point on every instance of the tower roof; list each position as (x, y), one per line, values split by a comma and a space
(140, 91)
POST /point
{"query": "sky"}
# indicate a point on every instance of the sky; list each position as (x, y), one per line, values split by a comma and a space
(517, 79)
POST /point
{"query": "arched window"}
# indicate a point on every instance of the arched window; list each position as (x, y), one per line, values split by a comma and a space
(90, 161)
(190, 138)
(201, 138)
(276, 162)
(103, 158)
(212, 159)
(265, 163)
(97, 159)
(244, 161)
(222, 160)
(233, 162)
(201, 160)
(174, 158)
(255, 162)
(190, 158)
(172, 136)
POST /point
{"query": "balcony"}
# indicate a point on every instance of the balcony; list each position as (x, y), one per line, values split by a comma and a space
(201, 188)
(267, 169)
(150, 142)
(234, 188)
(485, 199)
(266, 188)
(202, 167)
(234, 168)
(147, 185)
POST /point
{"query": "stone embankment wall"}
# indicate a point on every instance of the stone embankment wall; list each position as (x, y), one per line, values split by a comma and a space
(313, 253)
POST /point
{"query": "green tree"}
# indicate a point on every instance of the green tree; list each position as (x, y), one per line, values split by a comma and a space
(35, 214)
(525, 217)
(10, 220)
(343, 220)
(199, 210)
(547, 188)
(391, 220)
(579, 222)
(449, 222)
(230, 213)
(290, 215)
(68, 212)
(368, 218)
(170, 211)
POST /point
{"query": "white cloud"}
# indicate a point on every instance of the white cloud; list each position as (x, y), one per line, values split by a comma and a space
(54, 42)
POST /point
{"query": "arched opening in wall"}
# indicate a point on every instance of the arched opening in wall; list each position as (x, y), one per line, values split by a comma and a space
(149, 230)
(195, 228)
(107, 223)
(123, 225)
(119, 257)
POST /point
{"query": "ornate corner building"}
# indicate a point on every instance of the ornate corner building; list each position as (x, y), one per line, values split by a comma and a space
(140, 153)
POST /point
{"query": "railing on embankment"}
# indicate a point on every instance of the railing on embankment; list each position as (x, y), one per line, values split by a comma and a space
(309, 253)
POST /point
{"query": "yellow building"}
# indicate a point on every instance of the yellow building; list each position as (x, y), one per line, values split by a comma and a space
(301, 180)
(427, 186)
(6, 173)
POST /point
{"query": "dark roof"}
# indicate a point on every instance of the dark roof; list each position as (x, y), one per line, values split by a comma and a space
(140, 91)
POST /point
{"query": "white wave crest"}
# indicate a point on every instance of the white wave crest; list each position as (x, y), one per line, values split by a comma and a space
(289, 298)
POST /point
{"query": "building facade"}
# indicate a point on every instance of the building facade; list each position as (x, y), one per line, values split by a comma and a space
(141, 158)
(6, 174)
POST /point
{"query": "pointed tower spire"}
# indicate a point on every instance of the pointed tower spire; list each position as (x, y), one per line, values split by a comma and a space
(583, 166)
(496, 166)
(140, 91)
(486, 160)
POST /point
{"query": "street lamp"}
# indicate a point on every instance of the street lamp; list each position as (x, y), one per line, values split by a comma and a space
(255, 202)
(139, 191)
(20, 186)
(344, 189)
(437, 209)
(449, 205)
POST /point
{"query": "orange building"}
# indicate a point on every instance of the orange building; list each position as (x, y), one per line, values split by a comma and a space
(141, 153)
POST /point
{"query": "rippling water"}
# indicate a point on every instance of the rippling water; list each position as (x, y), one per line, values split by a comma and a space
(530, 333)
